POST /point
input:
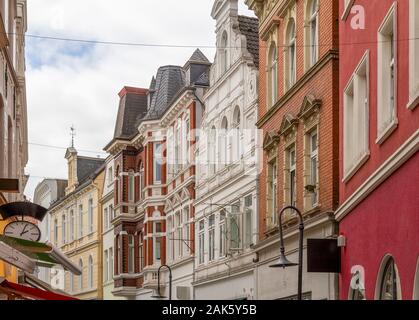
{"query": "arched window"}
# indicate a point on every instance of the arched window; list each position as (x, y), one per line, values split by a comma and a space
(389, 282)
(90, 271)
(224, 52)
(273, 75)
(237, 145)
(313, 25)
(223, 145)
(291, 56)
(81, 276)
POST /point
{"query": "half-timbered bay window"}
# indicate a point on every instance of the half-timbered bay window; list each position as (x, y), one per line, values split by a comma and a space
(413, 54)
(211, 237)
(386, 86)
(201, 241)
(222, 234)
(355, 105)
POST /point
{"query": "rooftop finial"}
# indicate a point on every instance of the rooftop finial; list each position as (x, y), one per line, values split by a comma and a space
(73, 134)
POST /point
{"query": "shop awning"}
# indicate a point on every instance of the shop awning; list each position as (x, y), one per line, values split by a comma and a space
(26, 255)
(23, 292)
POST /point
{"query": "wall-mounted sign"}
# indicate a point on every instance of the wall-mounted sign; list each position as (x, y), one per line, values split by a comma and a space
(323, 256)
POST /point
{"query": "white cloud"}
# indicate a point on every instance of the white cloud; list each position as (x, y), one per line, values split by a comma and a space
(73, 83)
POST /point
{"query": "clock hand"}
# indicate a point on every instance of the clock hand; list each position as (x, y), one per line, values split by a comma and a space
(23, 232)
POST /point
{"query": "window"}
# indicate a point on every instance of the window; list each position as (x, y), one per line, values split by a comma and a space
(131, 187)
(224, 52)
(292, 176)
(56, 232)
(223, 151)
(211, 237)
(90, 273)
(111, 215)
(386, 93)
(413, 53)
(312, 33)
(119, 256)
(234, 222)
(272, 191)
(223, 236)
(185, 142)
(131, 250)
(105, 219)
(105, 267)
(314, 167)
(71, 282)
(90, 217)
(236, 145)
(110, 175)
(110, 263)
(212, 150)
(81, 276)
(273, 74)
(158, 161)
(170, 240)
(72, 224)
(355, 106)
(64, 227)
(389, 282)
(186, 229)
(248, 219)
(141, 252)
(157, 241)
(80, 221)
(201, 242)
(141, 181)
(291, 55)
(177, 242)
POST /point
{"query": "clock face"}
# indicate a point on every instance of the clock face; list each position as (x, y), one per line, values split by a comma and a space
(23, 230)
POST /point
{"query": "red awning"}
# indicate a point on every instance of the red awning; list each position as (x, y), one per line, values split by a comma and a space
(31, 293)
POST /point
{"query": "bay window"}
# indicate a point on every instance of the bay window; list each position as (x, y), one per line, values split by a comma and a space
(158, 162)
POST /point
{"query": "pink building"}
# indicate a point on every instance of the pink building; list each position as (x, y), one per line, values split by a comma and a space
(379, 162)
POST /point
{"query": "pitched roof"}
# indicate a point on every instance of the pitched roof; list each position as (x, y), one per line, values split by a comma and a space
(86, 167)
(132, 108)
(169, 81)
(249, 27)
(198, 57)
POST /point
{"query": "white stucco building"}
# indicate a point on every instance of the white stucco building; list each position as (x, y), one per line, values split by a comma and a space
(227, 177)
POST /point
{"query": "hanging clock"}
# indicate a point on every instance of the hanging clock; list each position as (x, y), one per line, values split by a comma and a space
(23, 230)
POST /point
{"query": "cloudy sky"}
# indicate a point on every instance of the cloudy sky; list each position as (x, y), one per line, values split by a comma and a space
(75, 83)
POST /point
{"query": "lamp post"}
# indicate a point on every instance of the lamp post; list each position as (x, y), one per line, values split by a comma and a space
(283, 262)
(159, 296)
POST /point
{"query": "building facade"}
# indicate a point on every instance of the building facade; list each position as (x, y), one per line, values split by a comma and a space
(155, 178)
(47, 192)
(76, 227)
(227, 189)
(13, 112)
(298, 114)
(379, 133)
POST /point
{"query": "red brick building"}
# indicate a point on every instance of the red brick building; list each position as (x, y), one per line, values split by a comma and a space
(299, 117)
(153, 150)
(379, 133)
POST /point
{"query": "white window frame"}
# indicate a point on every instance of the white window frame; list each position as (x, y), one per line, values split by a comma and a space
(234, 221)
(90, 215)
(64, 228)
(157, 239)
(106, 218)
(291, 55)
(158, 157)
(80, 215)
(72, 224)
(272, 198)
(106, 266)
(201, 242)
(387, 76)
(292, 175)
(314, 172)
(355, 158)
(273, 74)
(222, 250)
(131, 187)
(248, 221)
(211, 238)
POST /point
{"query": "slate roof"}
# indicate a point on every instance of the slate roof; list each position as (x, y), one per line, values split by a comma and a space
(249, 27)
(199, 57)
(169, 81)
(132, 108)
(86, 167)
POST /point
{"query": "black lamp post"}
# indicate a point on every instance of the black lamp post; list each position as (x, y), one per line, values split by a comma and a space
(159, 296)
(283, 262)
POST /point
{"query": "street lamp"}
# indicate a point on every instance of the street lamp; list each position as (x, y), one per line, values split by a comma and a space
(283, 262)
(159, 296)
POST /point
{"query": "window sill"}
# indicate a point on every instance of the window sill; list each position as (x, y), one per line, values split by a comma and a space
(414, 101)
(347, 10)
(355, 167)
(382, 136)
